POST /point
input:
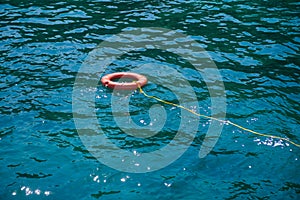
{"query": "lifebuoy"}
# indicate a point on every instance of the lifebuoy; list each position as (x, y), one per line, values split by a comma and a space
(138, 80)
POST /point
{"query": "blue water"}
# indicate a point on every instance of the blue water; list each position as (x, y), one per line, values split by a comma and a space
(255, 46)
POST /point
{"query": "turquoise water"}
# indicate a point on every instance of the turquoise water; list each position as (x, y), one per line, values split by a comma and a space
(255, 46)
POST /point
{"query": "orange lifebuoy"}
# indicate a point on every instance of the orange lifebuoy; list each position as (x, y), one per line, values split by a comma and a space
(138, 80)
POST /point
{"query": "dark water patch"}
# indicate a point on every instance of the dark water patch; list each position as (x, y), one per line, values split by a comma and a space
(26, 175)
(38, 160)
(101, 194)
(14, 165)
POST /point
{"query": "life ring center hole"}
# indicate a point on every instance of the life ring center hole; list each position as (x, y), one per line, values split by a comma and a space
(124, 79)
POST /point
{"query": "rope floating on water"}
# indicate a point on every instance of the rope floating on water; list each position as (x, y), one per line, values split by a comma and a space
(216, 119)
